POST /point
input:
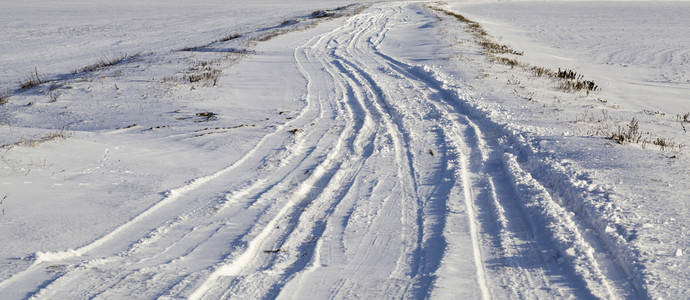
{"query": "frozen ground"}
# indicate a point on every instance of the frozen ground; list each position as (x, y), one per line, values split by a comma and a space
(318, 150)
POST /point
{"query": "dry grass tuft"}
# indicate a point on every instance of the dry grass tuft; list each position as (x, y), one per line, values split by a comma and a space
(60, 134)
(496, 48)
(206, 116)
(542, 72)
(666, 144)
(32, 80)
(103, 63)
(4, 98)
(229, 37)
(504, 61)
(685, 118)
(204, 73)
(631, 134)
(209, 77)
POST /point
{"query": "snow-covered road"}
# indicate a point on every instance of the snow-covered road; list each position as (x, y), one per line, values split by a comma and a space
(384, 183)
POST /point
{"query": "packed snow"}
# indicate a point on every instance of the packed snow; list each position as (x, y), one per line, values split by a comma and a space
(333, 149)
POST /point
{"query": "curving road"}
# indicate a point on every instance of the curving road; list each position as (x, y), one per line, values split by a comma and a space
(389, 188)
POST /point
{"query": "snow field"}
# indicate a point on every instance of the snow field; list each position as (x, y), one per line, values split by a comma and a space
(374, 155)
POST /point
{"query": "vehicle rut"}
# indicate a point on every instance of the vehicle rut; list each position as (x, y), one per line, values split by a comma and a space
(390, 187)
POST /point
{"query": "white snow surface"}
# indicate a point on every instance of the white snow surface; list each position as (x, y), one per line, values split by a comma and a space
(317, 149)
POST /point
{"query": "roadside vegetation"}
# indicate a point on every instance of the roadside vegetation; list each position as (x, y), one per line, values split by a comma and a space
(32, 80)
(567, 81)
(103, 63)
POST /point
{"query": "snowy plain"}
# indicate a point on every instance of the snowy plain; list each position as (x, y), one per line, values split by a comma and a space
(317, 149)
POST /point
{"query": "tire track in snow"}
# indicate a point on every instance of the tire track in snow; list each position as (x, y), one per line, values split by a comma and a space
(162, 210)
(592, 279)
(475, 185)
(478, 152)
(332, 196)
(244, 192)
(357, 73)
(335, 69)
(371, 92)
(584, 264)
(432, 219)
(329, 170)
(423, 233)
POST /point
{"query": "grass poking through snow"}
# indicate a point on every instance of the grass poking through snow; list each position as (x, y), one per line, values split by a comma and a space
(32, 80)
(566, 80)
(103, 63)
